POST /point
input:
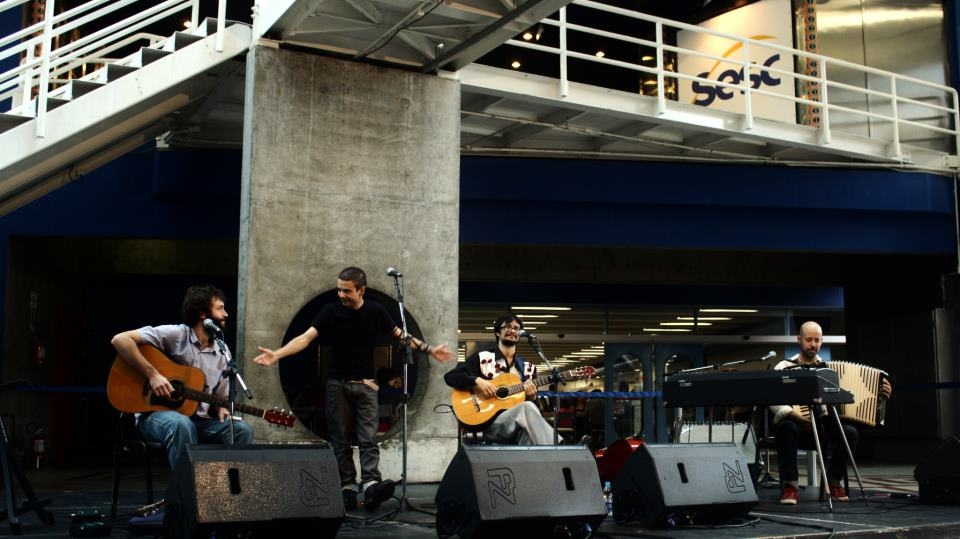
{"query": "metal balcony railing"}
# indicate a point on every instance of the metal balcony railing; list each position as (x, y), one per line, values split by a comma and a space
(898, 110)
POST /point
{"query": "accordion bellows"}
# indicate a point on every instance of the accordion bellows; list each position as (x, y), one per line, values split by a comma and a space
(864, 382)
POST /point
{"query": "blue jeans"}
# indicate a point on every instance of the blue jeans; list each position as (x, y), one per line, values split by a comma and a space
(176, 431)
(352, 404)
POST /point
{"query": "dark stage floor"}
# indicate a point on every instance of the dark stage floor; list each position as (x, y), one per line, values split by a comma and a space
(889, 510)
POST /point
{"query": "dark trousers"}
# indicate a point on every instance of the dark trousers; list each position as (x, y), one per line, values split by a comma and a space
(352, 405)
(790, 437)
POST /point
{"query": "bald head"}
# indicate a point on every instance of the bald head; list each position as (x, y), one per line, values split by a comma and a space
(810, 339)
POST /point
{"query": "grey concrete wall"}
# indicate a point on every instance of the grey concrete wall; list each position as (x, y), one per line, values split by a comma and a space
(350, 164)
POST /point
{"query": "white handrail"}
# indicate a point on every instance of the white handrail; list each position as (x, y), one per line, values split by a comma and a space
(935, 106)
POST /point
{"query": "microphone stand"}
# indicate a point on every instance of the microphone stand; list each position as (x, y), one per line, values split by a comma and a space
(232, 374)
(554, 379)
(405, 396)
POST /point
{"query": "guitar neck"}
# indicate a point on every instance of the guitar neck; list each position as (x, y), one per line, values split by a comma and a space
(222, 402)
(544, 380)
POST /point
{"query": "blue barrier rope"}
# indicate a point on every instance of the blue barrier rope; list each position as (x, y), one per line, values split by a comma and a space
(602, 394)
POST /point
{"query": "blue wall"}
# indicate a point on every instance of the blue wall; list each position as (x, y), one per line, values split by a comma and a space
(616, 203)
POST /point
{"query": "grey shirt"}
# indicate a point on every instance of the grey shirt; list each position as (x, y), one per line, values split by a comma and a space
(181, 345)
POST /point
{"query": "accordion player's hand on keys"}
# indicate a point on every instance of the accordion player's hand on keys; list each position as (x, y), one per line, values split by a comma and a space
(886, 390)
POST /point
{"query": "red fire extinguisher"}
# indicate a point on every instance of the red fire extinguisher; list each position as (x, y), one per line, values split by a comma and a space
(38, 352)
(38, 445)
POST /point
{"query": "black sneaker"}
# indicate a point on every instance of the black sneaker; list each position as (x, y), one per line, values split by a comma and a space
(349, 500)
(377, 493)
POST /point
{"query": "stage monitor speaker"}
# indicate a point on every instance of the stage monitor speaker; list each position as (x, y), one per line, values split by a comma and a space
(938, 475)
(679, 484)
(254, 491)
(537, 491)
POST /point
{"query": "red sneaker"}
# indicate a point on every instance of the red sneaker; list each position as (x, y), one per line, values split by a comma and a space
(788, 495)
(838, 493)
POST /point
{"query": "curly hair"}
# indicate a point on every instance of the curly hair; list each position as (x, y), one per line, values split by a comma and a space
(197, 301)
(504, 319)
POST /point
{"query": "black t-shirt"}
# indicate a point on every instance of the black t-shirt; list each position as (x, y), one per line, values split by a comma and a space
(353, 335)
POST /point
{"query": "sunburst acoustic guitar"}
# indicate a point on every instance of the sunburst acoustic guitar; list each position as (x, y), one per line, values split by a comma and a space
(475, 412)
(129, 391)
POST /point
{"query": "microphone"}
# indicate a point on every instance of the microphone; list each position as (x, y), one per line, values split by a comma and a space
(525, 333)
(392, 272)
(212, 327)
(770, 355)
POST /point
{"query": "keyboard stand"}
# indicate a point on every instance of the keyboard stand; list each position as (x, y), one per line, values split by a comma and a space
(816, 442)
(11, 471)
(846, 445)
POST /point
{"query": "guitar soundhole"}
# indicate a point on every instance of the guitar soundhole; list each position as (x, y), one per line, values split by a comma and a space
(502, 392)
(177, 390)
(175, 400)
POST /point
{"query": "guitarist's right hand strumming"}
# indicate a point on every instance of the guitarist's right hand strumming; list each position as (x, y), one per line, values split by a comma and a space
(128, 347)
(485, 388)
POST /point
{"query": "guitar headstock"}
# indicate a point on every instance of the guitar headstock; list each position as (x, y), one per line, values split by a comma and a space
(280, 417)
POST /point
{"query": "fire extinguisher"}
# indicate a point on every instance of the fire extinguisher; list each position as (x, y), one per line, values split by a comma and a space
(38, 352)
(38, 445)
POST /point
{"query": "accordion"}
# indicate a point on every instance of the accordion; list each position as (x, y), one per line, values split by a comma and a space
(864, 382)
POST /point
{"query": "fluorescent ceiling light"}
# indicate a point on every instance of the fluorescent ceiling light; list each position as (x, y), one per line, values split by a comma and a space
(526, 315)
(654, 330)
(710, 318)
(686, 324)
(729, 310)
(539, 308)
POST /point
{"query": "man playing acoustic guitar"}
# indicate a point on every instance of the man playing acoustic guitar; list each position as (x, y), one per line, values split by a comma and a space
(520, 423)
(188, 344)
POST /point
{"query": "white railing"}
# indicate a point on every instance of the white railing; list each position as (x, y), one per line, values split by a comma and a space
(44, 63)
(903, 109)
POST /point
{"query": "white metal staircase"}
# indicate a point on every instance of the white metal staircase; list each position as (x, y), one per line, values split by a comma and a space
(49, 137)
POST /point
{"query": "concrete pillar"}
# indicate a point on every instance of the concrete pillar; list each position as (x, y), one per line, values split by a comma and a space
(350, 164)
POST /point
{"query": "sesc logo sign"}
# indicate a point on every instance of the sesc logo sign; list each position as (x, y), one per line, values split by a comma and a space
(707, 93)
(769, 23)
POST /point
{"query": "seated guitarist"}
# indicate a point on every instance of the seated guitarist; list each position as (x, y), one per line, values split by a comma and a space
(188, 344)
(521, 424)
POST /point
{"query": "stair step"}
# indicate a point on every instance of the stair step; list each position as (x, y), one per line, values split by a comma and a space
(9, 121)
(180, 40)
(54, 102)
(147, 55)
(208, 26)
(74, 89)
(113, 72)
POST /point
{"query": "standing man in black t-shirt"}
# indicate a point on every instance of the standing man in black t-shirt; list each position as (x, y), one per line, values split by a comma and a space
(352, 326)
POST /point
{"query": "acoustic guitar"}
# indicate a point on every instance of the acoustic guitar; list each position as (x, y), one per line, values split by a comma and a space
(129, 391)
(475, 412)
